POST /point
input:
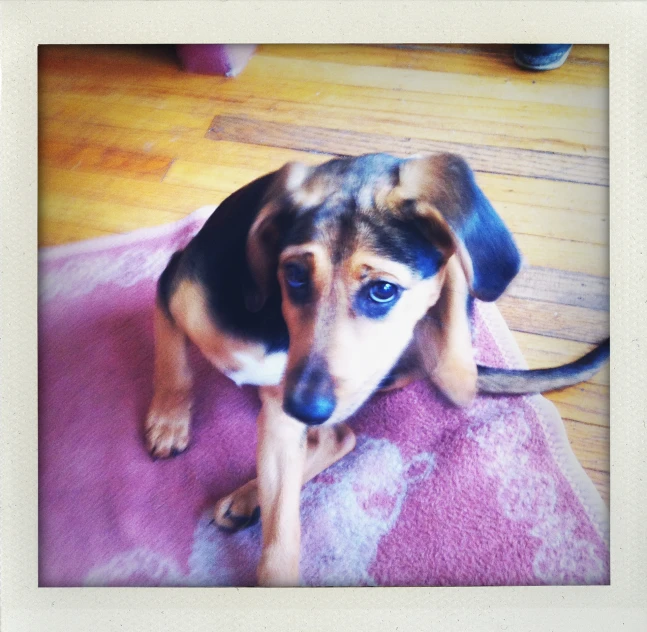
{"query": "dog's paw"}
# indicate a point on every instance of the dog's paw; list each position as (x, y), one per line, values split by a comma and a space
(167, 424)
(238, 510)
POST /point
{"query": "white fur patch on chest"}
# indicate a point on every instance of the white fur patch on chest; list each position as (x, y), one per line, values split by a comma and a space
(266, 371)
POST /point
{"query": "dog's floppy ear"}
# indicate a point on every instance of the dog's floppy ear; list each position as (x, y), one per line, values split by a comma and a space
(442, 188)
(264, 235)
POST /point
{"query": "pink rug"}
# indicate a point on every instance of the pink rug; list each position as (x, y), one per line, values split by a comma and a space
(431, 496)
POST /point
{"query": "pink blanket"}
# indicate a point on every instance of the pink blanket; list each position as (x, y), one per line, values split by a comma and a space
(431, 496)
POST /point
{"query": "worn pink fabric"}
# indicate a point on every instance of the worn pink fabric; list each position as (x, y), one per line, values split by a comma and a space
(431, 496)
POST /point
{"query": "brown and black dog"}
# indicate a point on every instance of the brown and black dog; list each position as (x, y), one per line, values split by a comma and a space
(324, 285)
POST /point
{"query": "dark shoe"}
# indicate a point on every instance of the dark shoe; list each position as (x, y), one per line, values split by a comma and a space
(541, 56)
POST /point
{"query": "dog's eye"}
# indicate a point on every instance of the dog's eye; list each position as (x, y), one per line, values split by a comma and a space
(297, 281)
(383, 292)
(376, 299)
(296, 276)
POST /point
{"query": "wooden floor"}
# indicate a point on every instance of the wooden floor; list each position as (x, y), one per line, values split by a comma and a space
(128, 140)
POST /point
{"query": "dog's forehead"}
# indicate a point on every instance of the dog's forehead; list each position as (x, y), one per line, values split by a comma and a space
(336, 203)
(352, 179)
(339, 208)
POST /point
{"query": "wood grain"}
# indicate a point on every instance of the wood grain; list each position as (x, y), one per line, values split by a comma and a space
(506, 161)
(546, 92)
(589, 444)
(566, 322)
(453, 59)
(562, 287)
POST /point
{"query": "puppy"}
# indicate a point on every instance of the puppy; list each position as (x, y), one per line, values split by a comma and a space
(323, 285)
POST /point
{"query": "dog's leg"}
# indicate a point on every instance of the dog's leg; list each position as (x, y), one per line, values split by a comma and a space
(281, 456)
(325, 446)
(445, 341)
(167, 423)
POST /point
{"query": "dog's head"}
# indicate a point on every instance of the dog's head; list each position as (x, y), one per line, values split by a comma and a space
(360, 247)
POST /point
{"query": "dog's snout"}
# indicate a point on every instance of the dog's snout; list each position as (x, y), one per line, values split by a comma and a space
(309, 393)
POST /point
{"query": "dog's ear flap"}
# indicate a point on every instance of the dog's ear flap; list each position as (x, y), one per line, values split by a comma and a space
(442, 189)
(264, 235)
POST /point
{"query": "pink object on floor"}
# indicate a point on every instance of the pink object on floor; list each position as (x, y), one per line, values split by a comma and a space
(215, 59)
(432, 495)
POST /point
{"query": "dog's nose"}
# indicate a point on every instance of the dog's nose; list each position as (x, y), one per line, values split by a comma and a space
(309, 394)
(310, 410)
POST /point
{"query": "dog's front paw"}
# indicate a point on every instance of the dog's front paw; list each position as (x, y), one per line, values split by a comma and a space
(238, 510)
(167, 423)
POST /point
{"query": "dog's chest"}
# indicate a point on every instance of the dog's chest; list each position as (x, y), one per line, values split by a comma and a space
(265, 371)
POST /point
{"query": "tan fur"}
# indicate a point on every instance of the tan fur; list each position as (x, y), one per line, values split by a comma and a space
(281, 456)
(228, 354)
(444, 341)
(168, 420)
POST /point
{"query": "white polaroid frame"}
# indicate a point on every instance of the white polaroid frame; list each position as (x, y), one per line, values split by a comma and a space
(25, 606)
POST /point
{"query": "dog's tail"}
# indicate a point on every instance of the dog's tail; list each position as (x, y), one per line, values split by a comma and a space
(521, 382)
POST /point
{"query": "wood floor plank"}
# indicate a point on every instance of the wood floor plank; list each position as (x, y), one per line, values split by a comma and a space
(570, 256)
(407, 118)
(107, 216)
(590, 444)
(263, 66)
(446, 61)
(424, 123)
(540, 194)
(566, 322)
(126, 191)
(560, 287)
(75, 156)
(508, 161)
(109, 60)
(504, 191)
(201, 176)
(260, 157)
(108, 110)
(581, 54)
(560, 224)
(55, 232)
(185, 93)
(587, 403)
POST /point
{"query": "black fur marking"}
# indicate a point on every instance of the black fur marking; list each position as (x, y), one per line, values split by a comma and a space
(166, 284)
(495, 257)
(217, 259)
(402, 241)
(301, 230)
(387, 380)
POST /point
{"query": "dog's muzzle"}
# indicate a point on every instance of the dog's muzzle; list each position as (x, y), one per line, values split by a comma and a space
(309, 393)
